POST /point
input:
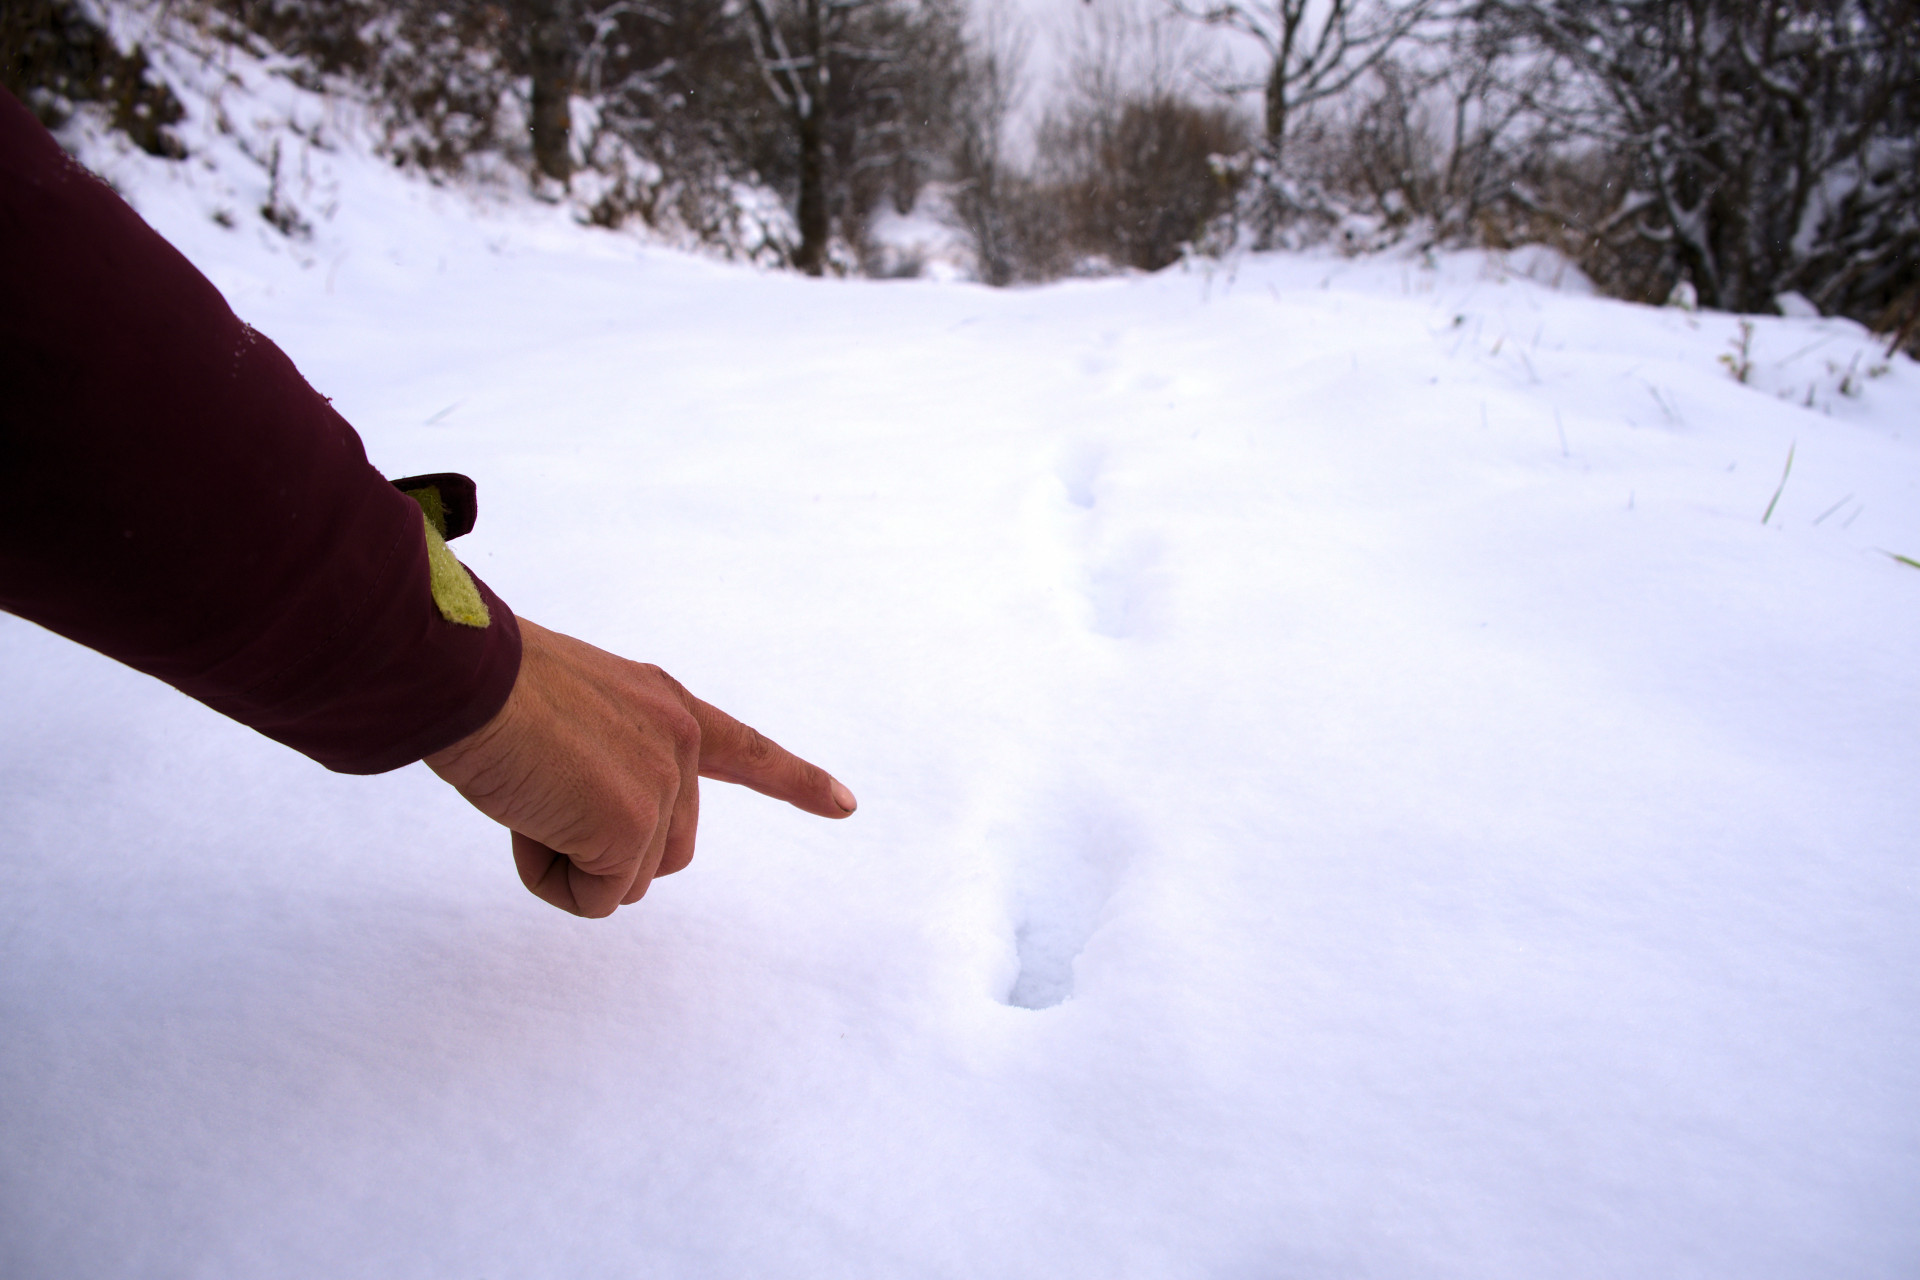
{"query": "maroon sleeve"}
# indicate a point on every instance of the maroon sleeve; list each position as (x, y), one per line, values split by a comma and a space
(173, 493)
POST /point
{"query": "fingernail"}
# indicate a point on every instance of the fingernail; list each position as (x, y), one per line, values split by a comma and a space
(843, 797)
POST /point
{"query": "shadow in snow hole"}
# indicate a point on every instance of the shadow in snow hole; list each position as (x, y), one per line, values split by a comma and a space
(1062, 886)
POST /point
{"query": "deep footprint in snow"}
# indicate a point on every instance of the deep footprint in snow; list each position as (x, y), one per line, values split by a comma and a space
(1061, 890)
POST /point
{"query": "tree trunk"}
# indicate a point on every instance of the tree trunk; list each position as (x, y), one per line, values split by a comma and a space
(812, 255)
(552, 50)
(814, 218)
(1277, 110)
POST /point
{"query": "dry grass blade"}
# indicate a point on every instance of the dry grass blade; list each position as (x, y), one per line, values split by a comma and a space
(1783, 483)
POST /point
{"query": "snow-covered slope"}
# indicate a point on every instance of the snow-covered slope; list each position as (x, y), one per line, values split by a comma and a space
(1350, 787)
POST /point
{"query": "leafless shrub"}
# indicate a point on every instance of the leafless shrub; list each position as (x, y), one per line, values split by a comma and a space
(1017, 233)
(448, 75)
(1447, 141)
(1767, 145)
(1442, 143)
(1135, 179)
(52, 55)
(1126, 173)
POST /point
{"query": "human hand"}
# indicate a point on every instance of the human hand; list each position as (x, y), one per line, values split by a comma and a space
(594, 765)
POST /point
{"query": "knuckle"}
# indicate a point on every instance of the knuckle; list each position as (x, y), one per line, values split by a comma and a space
(684, 730)
(584, 838)
(635, 831)
(653, 673)
(757, 748)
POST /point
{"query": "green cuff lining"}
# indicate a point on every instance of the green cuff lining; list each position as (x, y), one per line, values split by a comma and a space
(454, 594)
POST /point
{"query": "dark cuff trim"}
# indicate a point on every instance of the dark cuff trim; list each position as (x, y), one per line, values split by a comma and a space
(457, 498)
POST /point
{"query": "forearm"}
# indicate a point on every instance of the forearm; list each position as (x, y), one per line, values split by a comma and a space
(174, 494)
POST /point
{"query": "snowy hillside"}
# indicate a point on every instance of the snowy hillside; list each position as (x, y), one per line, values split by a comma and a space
(1350, 786)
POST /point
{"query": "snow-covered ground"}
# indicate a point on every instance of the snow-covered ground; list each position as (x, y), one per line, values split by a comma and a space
(1350, 787)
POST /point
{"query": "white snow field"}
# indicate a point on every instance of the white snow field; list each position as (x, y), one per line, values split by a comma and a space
(1350, 787)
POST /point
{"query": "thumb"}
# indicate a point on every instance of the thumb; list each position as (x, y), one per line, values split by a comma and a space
(734, 752)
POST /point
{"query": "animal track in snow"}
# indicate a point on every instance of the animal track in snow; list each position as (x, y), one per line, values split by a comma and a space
(1078, 471)
(1075, 860)
(1117, 582)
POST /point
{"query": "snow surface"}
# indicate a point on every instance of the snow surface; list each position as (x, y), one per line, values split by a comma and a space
(1349, 788)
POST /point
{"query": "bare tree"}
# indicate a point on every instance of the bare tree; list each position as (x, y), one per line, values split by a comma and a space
(859, 83)
(696, 111)
(798, 82)
(1313, 49)
(988, 185)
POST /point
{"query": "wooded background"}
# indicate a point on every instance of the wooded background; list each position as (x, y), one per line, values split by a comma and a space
(1728, 152)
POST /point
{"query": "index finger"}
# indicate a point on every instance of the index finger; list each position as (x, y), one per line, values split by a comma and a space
(734, 752)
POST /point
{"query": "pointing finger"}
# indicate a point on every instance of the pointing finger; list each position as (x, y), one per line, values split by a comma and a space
(734, 752)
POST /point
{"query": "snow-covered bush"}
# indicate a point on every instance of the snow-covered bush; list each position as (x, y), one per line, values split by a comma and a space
(446, 77)
(1767, 146)
(58, 54)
